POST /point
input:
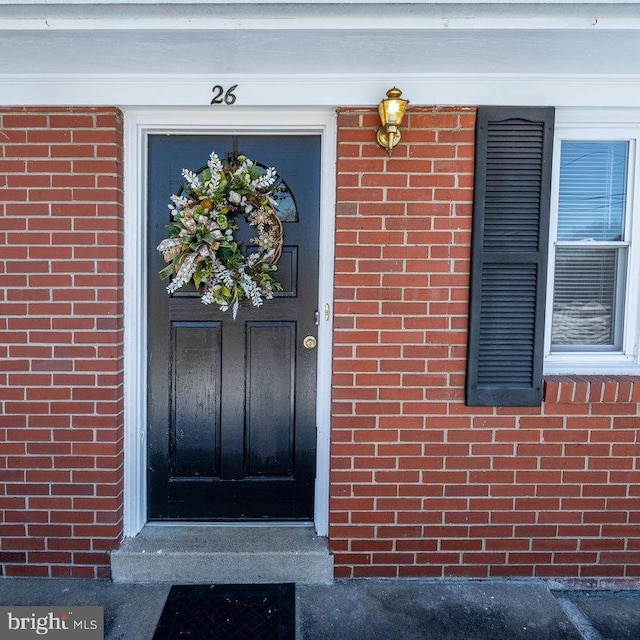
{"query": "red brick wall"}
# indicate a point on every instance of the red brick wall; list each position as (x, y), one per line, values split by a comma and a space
(61, 388)
(421, 485)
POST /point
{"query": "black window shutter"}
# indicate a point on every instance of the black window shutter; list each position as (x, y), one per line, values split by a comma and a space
(509, 256)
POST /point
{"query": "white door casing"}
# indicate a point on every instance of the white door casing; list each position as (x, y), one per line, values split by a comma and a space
(139, 124)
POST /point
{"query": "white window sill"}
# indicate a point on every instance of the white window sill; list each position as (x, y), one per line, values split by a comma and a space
(584, 366)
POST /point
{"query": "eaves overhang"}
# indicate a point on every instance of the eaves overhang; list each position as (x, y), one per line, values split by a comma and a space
(329, 53)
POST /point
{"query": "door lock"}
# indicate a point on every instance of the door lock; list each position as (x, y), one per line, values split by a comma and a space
(309, 342)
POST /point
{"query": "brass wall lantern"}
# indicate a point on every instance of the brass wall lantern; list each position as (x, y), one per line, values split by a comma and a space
(391, 111)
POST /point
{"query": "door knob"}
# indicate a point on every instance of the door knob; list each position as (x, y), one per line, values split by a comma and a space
(309, 342)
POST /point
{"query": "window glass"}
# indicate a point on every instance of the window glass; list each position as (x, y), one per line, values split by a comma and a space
(286, 208)
(585, 296)
(592, 197)
(590, 252)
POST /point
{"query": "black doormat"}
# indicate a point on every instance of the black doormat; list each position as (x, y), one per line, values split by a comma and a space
(228, 612)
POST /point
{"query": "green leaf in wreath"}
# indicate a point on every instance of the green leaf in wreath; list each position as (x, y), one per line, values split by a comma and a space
(197, 278)
(166, 272)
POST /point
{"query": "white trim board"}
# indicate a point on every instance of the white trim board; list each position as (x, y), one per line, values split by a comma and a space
(139, 124)
(320, 90)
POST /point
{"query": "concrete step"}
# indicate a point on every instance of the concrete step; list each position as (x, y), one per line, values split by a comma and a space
(223, 555)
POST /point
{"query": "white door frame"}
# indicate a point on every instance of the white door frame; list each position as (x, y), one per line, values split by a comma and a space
(139, 124)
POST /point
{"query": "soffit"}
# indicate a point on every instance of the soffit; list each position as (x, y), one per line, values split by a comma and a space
(309, 52)
(352, 36)
(408, 51)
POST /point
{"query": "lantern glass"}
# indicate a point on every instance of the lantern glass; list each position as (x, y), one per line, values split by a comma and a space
(392, 109)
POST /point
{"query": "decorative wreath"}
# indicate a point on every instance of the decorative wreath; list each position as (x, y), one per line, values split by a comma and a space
(201, 247)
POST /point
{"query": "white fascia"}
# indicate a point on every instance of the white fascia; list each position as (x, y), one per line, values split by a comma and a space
(37, 3)
(380, 15)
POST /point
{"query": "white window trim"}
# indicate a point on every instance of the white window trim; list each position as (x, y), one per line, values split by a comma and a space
(614, 124)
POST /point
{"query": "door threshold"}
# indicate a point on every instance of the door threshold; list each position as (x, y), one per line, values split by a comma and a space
(242, 524)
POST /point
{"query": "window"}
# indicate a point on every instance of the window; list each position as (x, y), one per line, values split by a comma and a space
(555, 256)
(592, 299)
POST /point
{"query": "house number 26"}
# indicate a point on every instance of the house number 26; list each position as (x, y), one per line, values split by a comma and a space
(220, 95)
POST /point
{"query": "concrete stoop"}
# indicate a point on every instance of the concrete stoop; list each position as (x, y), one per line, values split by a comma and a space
(223, 555)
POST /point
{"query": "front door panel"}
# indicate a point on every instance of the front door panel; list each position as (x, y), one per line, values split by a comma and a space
(231, 403)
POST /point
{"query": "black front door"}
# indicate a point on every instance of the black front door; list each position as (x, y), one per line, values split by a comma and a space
(231, 403)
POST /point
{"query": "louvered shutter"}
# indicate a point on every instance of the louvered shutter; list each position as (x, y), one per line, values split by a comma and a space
(509, 255)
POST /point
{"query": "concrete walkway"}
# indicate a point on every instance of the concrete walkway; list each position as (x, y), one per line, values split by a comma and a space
(376, 609)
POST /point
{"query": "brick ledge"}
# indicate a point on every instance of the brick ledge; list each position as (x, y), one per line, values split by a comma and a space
(563, 389)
